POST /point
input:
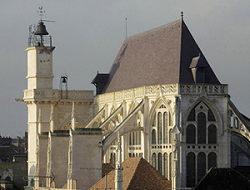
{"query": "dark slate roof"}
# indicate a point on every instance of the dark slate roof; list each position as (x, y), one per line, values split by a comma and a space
(198, 61)
(223, 179)
(137, 174)
(159, 56)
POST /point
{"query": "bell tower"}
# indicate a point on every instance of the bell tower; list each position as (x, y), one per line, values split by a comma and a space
(40, 72)
(39, 93)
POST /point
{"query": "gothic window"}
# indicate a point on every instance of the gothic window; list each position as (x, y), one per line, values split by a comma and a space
(153, 136)
(191, 116)
(190, 169)
(191, 133)
(160, 163)
(154, 160)
(165, 129)
(212, 134)
(210, 115)
(201, 163)
(159, 128)
(161, 122)
(212, 160)
(165, 165)
(201, 128)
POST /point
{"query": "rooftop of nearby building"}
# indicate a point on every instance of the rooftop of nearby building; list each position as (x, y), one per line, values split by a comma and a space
(223, 179)
(137, 174)
(164, 55)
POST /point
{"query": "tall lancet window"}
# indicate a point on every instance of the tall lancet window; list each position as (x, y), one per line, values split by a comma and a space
(159, 128)
(161, 124)
(165, 129)
(201, 128)
(201, 132)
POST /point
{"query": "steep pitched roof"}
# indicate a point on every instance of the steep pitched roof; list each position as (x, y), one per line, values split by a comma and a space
(159, 56)
(137, 174)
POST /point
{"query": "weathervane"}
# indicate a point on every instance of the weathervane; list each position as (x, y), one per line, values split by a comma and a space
(41, 12)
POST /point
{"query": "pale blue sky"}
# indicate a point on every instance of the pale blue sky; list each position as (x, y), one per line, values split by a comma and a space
(88, 35)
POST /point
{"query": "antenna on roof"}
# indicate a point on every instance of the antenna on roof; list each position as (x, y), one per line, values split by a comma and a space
(181, 15)
(126, 27)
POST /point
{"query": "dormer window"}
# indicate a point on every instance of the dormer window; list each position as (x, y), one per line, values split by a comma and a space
(198, 68)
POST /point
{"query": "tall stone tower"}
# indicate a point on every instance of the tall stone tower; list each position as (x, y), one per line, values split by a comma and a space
(53, 115)
(39, 90)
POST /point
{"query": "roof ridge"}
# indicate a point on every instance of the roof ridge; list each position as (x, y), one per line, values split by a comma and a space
(151, 30)
(134, 173)
(181, 42)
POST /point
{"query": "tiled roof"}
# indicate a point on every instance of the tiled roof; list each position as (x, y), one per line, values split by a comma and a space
(159, 56)
(137, 174)
(223, 179)
(106, 168)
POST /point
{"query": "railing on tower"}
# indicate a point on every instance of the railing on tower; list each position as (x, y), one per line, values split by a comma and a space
(35, 40)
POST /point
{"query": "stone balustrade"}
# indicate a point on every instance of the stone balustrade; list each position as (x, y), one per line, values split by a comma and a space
(57, 94)
(207, 88)
(166, 89)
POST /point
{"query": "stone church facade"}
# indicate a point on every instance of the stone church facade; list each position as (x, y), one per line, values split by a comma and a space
(161, 96)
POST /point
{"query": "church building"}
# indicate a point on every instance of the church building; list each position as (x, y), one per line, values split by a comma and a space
(160, 97)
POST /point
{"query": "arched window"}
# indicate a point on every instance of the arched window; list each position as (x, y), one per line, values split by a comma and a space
(212, 134)
(161, 122)
(190, 169)
(165, 129)
(159, 128)
(153, 136)
(191, 134)
(201, 128)
(160, 163)
(154, 121)
(165, 166)
(154, 160)
(201, 164)
(212, 160)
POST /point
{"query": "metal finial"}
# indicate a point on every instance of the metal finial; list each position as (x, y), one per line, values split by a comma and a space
(181, 15)
(126, 27)
(41, 12)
